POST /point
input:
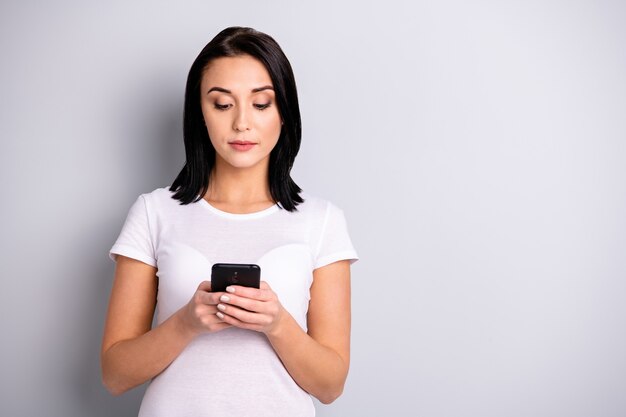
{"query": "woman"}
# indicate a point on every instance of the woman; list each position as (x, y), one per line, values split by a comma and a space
(247, 351)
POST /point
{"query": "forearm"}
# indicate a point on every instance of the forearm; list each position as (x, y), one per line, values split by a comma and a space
(129, 363)
(317, 369)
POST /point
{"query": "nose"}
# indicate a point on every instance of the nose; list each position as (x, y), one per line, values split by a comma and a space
(241, 122)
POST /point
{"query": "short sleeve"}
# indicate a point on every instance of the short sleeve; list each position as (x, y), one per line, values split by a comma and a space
(135, 240)
(335, 243)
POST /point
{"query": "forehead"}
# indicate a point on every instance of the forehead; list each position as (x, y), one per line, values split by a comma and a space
(236, 72)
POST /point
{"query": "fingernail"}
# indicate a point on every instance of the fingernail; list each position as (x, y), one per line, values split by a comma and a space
(220, 315)
(225, 298)
(230, 289)
(221, 307)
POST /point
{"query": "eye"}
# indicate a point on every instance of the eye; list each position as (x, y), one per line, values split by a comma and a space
(262, 106)
(222, 106)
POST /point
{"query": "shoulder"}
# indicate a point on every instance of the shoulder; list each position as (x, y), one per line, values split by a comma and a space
(313, 203)
(160, 197)
(160, 202)
(318, 207)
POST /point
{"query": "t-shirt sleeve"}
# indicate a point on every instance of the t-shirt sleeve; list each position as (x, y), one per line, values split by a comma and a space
(335, 243)
(135, 239)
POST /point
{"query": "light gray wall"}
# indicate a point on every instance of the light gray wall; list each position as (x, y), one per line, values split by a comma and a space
(477, 148)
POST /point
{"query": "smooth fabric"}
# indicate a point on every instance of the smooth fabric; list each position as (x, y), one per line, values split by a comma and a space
(234, 372)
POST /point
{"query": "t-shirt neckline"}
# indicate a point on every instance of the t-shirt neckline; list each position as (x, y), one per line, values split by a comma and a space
(239, 216)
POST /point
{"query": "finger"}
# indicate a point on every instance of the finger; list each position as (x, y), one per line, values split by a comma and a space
(235, 322)
(205, 286)
(231, 321)
(249, 304)
(265, 286)
(210, 320)
(255, 293)
(240, 314)
(207, 310)
(209, 298)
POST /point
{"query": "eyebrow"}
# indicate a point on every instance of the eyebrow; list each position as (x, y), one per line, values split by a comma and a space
(254, 90)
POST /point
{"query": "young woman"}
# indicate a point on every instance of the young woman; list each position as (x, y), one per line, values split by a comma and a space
(246, 351)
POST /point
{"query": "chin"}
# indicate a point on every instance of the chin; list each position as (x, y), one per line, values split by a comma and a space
(243, 163)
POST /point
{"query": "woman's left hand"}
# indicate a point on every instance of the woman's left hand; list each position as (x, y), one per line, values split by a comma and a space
(251, 308)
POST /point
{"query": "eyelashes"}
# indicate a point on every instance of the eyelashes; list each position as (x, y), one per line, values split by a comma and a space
(224, 107)
(262, 106)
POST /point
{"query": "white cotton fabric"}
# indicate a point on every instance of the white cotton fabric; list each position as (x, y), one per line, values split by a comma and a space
(234, 372)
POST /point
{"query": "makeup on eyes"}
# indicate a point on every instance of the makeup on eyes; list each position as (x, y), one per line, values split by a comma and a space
(258, 106)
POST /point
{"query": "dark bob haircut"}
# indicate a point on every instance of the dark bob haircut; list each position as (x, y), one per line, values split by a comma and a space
(192, 182)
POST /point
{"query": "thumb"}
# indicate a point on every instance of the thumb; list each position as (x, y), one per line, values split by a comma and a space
(205, 286)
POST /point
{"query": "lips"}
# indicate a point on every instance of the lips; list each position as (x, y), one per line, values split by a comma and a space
(241, 145)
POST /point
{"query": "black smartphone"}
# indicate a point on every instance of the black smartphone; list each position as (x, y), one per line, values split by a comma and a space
(223, 275)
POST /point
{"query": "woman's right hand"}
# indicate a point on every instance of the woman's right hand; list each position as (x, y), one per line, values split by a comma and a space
(198, 316)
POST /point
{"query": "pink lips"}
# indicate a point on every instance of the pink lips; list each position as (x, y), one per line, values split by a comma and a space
(241, 145)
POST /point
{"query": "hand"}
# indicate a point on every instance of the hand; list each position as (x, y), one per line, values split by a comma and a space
(198, 316)
(251, 308)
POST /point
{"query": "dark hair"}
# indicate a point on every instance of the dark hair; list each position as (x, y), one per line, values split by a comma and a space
(193, 180)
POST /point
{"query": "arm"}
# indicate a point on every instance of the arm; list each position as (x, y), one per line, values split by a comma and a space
(132, 353)
(318, 360)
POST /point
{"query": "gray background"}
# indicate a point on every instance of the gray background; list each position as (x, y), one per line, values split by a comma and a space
(477, 149)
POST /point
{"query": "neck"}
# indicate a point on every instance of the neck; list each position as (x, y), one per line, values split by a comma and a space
(239, 186)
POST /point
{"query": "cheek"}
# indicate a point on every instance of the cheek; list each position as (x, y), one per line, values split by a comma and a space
(216, 127)
(273, 126)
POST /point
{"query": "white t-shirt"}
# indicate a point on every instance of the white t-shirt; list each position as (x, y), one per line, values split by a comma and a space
(234, 372)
